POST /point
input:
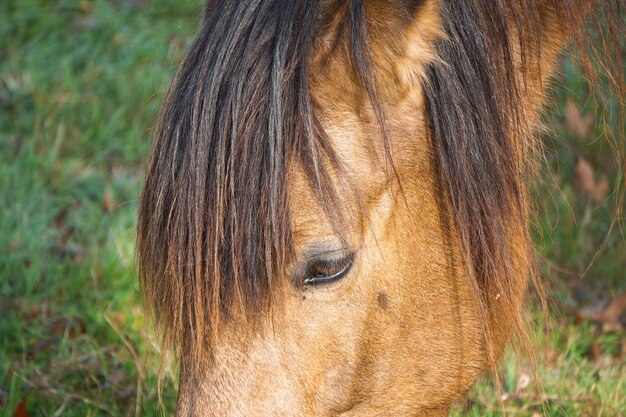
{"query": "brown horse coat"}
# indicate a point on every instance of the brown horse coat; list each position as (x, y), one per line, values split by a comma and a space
(334, 220)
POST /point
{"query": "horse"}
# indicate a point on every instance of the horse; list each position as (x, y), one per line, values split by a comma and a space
(334, 220)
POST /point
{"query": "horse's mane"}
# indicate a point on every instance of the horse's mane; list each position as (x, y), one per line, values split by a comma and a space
(213, 220)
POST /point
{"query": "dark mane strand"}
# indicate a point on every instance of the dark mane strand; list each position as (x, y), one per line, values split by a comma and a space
(214, 229)
(483, 138)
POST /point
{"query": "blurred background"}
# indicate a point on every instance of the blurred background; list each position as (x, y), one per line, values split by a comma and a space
(80, 85)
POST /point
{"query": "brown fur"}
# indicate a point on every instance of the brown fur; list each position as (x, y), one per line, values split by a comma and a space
(436, 215)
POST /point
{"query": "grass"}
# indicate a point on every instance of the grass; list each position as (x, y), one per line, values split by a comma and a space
(80, 83)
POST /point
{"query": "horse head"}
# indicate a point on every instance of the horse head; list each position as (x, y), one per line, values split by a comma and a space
(334, 220)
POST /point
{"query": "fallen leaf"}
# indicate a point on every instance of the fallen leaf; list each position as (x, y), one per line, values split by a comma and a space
(609, 317)
(108, 201)
(575, 122)
(584, 178)
(595, 351)
(60, 220)
(586, 184)
(600, 190)
(21, 409)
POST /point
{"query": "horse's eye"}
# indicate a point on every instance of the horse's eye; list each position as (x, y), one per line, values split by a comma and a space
(324, 271)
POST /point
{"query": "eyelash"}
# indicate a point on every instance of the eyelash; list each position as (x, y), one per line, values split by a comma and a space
(316, 271)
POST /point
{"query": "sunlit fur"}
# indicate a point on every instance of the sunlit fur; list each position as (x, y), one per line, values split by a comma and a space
(401, 131)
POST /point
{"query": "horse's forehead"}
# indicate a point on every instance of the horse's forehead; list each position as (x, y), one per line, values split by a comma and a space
(347, 116)
(368, 178)
(362, 175)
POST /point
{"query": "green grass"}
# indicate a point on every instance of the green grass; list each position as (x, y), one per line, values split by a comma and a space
(80, 83)
(572, 381)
